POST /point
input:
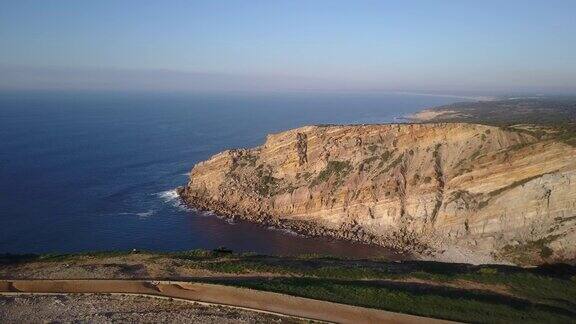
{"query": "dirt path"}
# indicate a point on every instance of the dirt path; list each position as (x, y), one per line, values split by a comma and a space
(222, 295)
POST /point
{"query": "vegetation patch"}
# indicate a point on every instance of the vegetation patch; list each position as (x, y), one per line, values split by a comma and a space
(439, 302)
(247, 160)
(460, 292)
(475, 155)
(555, 114)
(513, 185)
(393, 164)
(338, 169)
(267, 185)
(518, 147)
(364, 165)
(524, 252)
(384, 157)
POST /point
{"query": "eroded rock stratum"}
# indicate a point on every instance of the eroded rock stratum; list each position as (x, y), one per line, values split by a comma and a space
(453, 191)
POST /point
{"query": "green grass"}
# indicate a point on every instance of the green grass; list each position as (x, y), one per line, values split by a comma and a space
(436, 302)
(537, 294)
(461, 292)
(58, 257)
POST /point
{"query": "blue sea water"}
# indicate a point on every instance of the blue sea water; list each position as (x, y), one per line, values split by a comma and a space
(96, 171)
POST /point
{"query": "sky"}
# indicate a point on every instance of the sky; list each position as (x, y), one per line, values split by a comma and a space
(408, 45)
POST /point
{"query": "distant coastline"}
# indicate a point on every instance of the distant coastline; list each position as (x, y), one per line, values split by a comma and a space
(472, 98)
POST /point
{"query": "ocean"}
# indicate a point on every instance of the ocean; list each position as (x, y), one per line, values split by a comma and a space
(82, 171)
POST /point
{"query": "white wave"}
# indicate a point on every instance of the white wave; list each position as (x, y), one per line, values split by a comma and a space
(172, 197)
(168, 195)
(205, 213)
(225, 218)
(284, 230)
(146, 214)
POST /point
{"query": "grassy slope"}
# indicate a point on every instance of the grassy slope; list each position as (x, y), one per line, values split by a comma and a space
(556, 114)
(483, 294)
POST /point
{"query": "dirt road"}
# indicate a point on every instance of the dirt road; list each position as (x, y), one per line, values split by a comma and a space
(217, 294)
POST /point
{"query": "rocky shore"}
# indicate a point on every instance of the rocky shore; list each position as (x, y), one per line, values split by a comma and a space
(349, 232)
(451, 191)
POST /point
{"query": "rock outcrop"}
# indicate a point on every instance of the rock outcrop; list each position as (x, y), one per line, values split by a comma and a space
(454, 191)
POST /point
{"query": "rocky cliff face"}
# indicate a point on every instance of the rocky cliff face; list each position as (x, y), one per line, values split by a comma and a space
(461, 192)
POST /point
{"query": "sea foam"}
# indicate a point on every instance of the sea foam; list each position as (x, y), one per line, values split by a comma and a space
(146, 214)
(171, 197)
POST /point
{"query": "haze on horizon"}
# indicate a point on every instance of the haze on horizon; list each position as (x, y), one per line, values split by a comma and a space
(438, 46)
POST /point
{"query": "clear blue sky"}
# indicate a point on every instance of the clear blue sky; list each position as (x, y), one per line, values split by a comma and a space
(412, 45)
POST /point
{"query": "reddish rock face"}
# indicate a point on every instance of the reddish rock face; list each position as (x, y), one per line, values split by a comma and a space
(459, 192)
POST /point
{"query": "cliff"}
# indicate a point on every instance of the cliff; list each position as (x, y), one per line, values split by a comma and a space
(451, 191)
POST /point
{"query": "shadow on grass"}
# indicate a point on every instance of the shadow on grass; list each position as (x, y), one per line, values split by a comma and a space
(313, 262)
(415, 289)
(417, 299)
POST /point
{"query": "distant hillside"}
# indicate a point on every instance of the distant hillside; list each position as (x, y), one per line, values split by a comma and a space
(554, 117)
